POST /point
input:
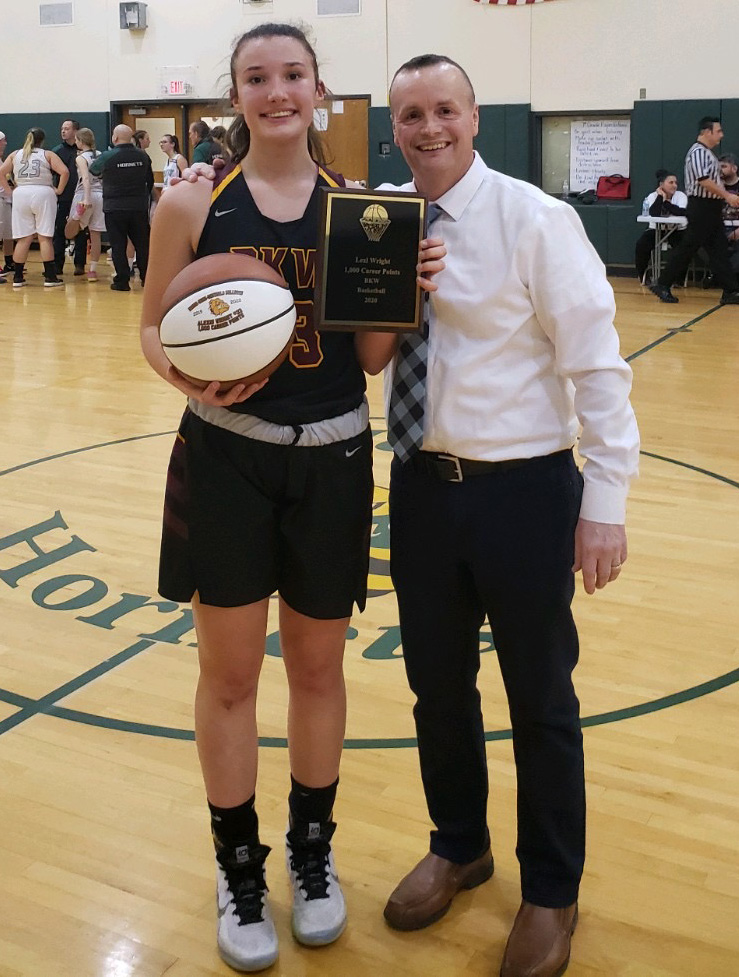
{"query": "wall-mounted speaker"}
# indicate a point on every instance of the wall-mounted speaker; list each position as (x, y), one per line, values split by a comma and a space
(132, 16)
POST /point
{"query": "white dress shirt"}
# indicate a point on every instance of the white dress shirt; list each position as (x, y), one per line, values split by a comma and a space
(522, 347)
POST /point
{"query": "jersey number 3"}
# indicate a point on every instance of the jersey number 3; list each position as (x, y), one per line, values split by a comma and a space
(305, 351)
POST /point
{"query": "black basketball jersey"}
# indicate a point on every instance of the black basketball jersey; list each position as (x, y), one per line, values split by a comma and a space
(321, 377)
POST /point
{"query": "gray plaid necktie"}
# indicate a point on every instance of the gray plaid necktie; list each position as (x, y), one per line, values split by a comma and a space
(408, 396)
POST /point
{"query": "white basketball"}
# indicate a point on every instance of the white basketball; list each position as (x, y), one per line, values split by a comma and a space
(229, 318)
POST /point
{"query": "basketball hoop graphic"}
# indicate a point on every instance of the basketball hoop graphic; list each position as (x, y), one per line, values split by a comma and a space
(374, 221)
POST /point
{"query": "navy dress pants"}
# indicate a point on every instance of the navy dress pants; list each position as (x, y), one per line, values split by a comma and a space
(501, 546)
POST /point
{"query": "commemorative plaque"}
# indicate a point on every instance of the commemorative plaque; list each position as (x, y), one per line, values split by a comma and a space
(366, 260)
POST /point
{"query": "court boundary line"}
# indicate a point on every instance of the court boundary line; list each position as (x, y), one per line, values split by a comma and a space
(46, 704)
(76, 451)
(29, 707)
(668, 335)
(33, 707)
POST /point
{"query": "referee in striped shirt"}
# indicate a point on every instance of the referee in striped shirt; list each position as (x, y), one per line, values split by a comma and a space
(706, 196)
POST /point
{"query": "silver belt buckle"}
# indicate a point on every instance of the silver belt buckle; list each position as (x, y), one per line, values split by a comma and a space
(459, 477)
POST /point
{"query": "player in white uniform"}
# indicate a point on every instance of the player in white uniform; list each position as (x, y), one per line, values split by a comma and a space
(87, 203)
(34, 202)
(176, 162)
(6, 231)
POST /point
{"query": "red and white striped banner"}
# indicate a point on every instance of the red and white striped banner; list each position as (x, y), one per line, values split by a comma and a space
(511, 3)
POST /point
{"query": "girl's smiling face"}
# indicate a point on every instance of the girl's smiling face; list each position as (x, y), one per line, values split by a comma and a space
(276, 87)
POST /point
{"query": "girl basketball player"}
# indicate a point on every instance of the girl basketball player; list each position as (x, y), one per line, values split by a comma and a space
(87, 203)
(176, 162)
(34, 203)
(269, 489)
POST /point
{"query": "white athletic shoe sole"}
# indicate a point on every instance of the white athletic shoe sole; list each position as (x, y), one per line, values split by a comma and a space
(317, 922)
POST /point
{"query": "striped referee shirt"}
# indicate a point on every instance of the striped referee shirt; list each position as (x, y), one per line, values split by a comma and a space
(701, 164)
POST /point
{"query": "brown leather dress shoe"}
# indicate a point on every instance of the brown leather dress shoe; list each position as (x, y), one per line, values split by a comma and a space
(539, 944)
(426, 893)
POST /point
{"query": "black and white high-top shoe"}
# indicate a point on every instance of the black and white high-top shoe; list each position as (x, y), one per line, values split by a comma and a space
(319, 910)
(247, 940)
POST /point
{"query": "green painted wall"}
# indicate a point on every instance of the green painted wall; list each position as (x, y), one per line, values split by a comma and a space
(16, 126)
(384, 169)
(504, 142)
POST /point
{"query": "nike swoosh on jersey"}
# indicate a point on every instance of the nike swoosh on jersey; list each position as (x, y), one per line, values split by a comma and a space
(222, 213)
(349, 453)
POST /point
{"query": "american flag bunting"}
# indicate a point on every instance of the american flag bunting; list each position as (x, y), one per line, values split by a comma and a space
(511, 3)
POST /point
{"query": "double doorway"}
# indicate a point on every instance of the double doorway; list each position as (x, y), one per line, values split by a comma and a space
(160, 119)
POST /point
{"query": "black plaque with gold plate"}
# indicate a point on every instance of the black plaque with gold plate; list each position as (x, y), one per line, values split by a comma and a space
(366, 262)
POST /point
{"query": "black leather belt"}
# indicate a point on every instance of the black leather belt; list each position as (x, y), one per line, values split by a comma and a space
(449, 468)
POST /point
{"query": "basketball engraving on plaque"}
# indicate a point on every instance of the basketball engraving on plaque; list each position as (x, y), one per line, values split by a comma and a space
(375, 222)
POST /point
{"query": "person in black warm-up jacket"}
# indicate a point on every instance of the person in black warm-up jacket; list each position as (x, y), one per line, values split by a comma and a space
(127, 184)
(665, 201)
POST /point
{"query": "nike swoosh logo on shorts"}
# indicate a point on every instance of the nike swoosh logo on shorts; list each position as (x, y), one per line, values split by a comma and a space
(349, 453)
(222, 213)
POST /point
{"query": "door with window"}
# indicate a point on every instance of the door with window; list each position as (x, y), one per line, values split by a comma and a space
(158, 120)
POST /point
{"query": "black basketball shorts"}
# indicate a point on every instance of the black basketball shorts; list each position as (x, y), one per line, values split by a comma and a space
(245, 518)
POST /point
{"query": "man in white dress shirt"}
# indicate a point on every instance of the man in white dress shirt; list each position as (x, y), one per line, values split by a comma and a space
(490, 518)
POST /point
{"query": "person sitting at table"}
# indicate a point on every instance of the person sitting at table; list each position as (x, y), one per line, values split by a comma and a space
(665, 201)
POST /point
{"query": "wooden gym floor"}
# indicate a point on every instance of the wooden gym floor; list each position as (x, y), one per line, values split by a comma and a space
(106, 868)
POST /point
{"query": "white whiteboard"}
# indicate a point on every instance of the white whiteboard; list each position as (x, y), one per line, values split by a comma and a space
(598, 148)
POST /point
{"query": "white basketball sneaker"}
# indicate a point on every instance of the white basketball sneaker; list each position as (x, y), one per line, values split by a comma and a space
(247, 940)
(319, 910)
